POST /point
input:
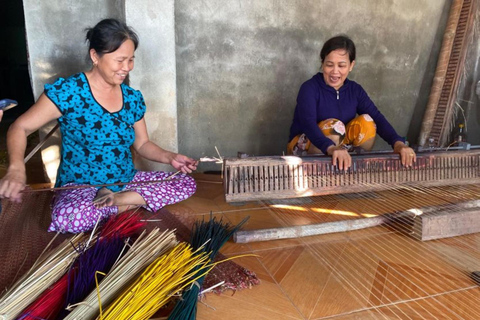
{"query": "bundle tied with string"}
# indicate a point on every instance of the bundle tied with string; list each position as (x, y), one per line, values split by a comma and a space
(207, 237)
(112, 242)
(48, 269)
(166, 276)
(145, 249)
(108, 245)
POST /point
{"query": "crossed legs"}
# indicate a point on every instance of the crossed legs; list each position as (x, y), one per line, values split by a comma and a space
(78, 210)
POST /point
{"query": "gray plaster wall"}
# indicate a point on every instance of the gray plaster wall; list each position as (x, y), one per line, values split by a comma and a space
(155, 71)
(240, 65)
(56, 36)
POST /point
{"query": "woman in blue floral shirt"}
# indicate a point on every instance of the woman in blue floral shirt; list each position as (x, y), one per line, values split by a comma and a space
(100, 119)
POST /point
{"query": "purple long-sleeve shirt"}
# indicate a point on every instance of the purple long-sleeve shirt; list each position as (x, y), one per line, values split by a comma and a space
(317, 101)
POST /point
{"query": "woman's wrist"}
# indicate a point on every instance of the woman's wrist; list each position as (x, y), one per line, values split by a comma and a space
(330, 149)
(398, 145)
(17, 166)
(171, 157)
(333, 147)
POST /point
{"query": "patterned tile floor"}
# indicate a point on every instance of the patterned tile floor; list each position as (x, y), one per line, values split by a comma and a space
(376, 273)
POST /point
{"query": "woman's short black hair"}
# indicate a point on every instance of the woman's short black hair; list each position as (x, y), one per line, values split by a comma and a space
(108, 35)
(338, 42)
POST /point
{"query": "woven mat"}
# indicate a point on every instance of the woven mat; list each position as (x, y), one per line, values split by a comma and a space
(23, 237)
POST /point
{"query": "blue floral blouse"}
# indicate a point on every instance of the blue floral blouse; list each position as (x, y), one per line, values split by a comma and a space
(95, 142)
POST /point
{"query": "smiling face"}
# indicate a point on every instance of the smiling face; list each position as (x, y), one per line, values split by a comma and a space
(115, 66)
(336, 67)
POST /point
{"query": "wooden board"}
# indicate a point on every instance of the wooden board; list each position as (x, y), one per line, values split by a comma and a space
(446, 224)
(429, 223)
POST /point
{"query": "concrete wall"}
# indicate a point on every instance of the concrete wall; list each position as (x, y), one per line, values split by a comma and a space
(155, 71)
(240, 64)
(56, 36)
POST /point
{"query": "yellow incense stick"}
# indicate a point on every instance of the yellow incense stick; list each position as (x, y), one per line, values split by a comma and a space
(166, 276)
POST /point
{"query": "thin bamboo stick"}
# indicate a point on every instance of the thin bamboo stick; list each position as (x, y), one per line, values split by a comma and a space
(142, 253)
(50, 267)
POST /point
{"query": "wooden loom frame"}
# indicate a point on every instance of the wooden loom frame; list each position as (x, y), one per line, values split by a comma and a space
(281, 177)
(265, 178)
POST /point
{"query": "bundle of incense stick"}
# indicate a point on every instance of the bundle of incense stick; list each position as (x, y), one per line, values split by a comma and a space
(97, 255)
(123, 225)
(208, 237)
(99, 258)
(166, 276)
(49, 267)
(142, 253)
(50, 303)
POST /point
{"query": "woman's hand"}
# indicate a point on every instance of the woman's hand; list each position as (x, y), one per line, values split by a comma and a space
(12, 184)
(340, 154)
(149, 150)
(183, 163)
(42, 112)
(407, 155)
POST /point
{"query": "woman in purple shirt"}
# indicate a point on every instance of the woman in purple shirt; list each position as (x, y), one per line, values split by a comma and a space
(325, 118)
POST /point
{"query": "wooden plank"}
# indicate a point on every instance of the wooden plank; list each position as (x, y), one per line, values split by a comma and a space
(245, 236)
(446, 224)
(328, 190)
(289, 177)
(255, 177)
(440, 108)
(428, 223)
(276, 177)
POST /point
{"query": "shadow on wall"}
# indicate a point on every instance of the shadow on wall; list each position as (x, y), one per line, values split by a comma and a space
(65, 65)
(267, 123)
(469, 93)
(269, 127)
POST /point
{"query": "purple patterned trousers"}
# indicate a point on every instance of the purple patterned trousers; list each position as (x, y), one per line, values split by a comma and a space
(73, 209)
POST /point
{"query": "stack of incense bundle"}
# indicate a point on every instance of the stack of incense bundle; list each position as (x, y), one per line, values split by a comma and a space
(166, 276)
(146, 248)
(208, 237)
(97, 253)
(48, 269)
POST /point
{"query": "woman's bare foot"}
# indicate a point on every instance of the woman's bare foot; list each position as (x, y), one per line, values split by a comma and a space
(123, 199)
(104, 198)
